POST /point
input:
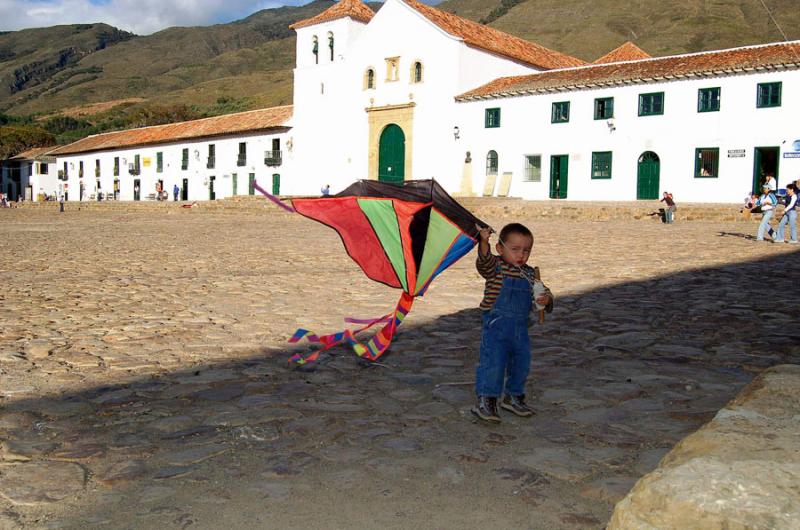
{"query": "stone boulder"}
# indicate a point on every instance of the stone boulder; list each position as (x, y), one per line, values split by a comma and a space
(740, 471)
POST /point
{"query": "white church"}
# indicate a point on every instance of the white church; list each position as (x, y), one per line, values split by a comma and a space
(412, 92)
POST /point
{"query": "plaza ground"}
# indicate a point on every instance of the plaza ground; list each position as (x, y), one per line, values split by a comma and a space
(145, 384)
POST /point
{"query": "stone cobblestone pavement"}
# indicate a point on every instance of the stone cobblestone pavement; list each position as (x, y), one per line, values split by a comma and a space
(144, 381)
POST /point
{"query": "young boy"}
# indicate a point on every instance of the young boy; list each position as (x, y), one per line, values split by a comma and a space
(507, 302)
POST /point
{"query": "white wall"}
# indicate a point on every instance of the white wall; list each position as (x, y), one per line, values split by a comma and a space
(526, 128)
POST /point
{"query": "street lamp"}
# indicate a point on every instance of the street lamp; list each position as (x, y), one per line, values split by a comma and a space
(456, 132)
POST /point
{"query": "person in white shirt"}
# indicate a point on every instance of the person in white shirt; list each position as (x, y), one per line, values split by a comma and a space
(789, 216)
(767, 202)
(771, 183)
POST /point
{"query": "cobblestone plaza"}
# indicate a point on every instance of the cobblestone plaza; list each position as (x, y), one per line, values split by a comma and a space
(145, 384)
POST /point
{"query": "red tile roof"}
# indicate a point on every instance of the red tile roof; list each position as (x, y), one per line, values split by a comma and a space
(495, 41)
(33, 154)
(706, 64)
(627, 52)
(241, 122)
(355, 9)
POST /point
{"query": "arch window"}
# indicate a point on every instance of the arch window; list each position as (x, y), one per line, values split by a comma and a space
(416, 72)
(330, 43)
(369, 79)
(315, 49)
(491, 163)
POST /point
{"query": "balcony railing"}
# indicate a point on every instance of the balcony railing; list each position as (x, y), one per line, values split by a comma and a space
(97, 172)
(273, 158)
(62, 175)
(212, 161)
(241, 160)
(134, 170)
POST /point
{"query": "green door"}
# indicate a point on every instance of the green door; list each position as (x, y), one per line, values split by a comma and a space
(765, 163)
(276, 184)
(251, 186)
(647, 180)
(234, 183)
(559, 176)
(392, 155)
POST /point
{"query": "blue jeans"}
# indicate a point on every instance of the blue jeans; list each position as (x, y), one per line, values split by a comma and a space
(505, 345)
(764, 226)
(791, 219)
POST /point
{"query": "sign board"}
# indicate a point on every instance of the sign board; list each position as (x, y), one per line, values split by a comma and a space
(791, 155)
(795, 152)
(736, 153)
(146, 161)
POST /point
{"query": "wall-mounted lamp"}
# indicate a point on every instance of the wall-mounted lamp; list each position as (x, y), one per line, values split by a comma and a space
(611, 126)
(456, 133)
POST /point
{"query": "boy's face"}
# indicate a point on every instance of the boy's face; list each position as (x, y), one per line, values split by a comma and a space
(516, 250)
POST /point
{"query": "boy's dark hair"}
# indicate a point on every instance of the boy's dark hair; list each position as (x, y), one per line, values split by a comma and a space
(791, 187)
(515, 228)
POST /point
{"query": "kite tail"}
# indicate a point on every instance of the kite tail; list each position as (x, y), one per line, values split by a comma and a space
(372, 349)
(273, 198)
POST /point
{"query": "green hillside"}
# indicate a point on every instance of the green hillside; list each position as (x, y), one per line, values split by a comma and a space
(248, 63)
(588, 29)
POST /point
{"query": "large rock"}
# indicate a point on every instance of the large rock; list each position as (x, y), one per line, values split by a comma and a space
(742, 470)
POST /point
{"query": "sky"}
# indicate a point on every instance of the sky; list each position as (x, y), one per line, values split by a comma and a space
(142, 17)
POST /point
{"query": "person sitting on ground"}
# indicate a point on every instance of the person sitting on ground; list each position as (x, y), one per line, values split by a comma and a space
(789, 216)
(767, 203)
(505, 352)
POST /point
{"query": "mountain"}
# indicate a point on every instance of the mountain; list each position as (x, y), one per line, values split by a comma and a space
(248, 63)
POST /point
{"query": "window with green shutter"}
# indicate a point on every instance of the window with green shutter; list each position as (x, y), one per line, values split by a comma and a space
(185, 159)
(212, 156)
(492, 118)
(601, 165)
(242, 158)
(769, 95)
(706, 162)
(116, 166)
(560, 112)
(708, 99)
(603, 108)
(159, 162)
(651, 104)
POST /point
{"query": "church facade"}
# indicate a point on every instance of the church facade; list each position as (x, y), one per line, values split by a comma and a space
(412, 92)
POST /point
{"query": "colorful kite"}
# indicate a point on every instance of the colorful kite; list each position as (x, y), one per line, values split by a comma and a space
(403, 236)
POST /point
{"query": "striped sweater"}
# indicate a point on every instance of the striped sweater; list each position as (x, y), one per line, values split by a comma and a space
(488, 268)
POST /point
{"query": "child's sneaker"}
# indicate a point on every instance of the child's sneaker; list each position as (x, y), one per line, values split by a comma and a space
(792, 242)
(516, 404)
(778, 241)
(486, 409)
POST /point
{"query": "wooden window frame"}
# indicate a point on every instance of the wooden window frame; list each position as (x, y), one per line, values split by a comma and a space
(702, 103)
(768, 105)
(643, 111)
(598, 159)
(604, 101)
(489, 165)
(527, 166)
(698, 162)
(491, 118)
(556, 114)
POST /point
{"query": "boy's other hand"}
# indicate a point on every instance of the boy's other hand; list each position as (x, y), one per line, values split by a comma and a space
(484, 233)
(544, 299)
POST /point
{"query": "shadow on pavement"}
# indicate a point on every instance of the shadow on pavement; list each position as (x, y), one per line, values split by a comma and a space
(619, 375)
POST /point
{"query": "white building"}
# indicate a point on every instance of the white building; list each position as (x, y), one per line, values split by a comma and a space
(206, 159)
(413, 92)
(28, 174)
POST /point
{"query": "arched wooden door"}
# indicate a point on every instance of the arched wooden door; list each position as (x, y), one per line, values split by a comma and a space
(647, 181)
(392, 155)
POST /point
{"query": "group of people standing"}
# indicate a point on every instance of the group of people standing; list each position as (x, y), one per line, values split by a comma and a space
(767, 203)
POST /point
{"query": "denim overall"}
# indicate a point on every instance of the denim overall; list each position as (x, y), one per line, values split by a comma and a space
(505, 345)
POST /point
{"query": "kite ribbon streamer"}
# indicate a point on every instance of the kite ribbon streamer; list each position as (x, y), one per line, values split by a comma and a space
(273, 198)
(372, 349)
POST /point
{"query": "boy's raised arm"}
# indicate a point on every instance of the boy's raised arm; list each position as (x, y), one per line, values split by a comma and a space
(486, 262)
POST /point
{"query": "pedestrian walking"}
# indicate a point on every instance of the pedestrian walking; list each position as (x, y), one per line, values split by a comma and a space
(61, 202)
(789, 216)
(175, 191)
(767, 202)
